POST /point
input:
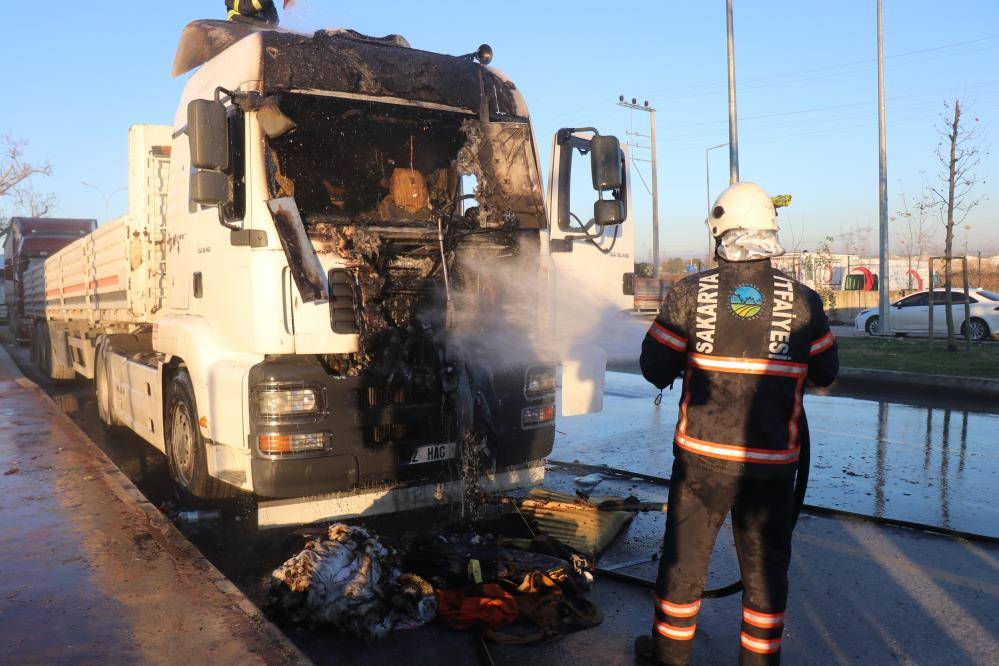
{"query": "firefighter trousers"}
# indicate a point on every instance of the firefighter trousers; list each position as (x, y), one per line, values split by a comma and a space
(762, 522)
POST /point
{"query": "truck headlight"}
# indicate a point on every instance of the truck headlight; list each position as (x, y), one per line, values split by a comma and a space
(539, 381)
(276, 402)
(272, 444)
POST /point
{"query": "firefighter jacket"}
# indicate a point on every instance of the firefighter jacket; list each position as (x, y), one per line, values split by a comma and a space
(746, 338)
(262, 11)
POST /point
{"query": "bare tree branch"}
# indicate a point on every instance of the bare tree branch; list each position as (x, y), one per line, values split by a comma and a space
(17, 194)
(959, 153)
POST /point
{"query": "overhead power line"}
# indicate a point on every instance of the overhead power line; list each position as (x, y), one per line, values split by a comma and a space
(867, 63)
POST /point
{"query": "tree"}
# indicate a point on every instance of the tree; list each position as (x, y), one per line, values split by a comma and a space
(643, 269)
(16, 190)
(857, 240)
(915, 235)
(822, 263)
(959, 152)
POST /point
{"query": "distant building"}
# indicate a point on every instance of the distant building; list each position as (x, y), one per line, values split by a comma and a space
(834, 271)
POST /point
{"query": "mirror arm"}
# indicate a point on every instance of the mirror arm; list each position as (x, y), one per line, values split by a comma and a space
(224, 222)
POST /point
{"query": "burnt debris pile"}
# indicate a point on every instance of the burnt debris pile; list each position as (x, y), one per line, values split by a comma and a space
(351, 582)
(499, 577)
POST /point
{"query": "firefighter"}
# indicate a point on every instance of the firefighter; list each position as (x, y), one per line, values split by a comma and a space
(254, 12)
(746, 339)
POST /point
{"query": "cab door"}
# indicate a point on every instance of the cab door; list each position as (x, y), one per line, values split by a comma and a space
(591, 246)
(590, 258)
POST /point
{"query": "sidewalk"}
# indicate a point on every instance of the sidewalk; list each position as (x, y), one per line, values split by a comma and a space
(94, 573)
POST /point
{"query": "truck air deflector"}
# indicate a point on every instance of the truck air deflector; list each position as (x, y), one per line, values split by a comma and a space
(298, 250)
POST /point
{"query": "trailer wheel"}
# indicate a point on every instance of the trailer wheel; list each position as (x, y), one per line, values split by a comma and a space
(102, 387)
(185, 447)
(44, 350)
(33, 346)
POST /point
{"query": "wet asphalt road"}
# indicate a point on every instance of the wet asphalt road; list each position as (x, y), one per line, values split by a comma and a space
(924, 458)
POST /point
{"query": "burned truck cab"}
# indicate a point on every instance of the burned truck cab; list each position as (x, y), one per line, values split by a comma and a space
(403, 190)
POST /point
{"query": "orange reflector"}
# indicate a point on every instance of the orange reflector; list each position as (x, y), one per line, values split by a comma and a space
(548, 413)
(274, 443)
(203, 421)
(292, 443)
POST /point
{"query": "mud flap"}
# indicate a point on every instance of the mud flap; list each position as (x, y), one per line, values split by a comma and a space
(583, 369)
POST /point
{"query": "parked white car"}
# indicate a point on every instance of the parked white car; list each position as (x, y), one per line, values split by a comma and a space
(911, 315)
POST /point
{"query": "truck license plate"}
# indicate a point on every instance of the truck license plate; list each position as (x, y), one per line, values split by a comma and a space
(431, 453)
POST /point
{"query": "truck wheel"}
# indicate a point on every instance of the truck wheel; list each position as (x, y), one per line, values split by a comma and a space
(34, 346)
(44, 351)
(185, 447)
(102, 387)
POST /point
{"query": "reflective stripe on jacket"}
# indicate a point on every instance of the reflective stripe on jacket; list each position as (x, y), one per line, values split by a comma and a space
(746, 338)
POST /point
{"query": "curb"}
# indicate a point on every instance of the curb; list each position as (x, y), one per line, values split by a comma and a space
(126, 491)
(977, 386)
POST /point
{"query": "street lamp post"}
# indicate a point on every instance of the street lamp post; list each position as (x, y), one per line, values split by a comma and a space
(884, 312)
(733, 129)
(707, 193)
(106, 197)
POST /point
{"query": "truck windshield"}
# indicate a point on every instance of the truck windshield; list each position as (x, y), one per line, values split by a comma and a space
(345, 160)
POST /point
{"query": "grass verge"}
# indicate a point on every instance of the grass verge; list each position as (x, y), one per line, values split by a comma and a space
(915, 356)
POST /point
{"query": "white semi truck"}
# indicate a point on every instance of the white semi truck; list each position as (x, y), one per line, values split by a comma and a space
(335, 276)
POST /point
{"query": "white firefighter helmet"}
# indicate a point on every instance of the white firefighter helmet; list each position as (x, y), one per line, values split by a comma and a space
(742, 206)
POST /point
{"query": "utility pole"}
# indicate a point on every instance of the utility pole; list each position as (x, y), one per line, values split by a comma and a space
(655, 176)
(733, 129)
(707, 181)
(106, 197)
(883, 309)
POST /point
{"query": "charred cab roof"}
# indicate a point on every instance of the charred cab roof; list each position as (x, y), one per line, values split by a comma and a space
(344, 61)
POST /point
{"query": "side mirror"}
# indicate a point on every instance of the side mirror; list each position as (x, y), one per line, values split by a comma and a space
(608, 172)
(209, 188)
(606, 163)
(208, 134)
(608, 212)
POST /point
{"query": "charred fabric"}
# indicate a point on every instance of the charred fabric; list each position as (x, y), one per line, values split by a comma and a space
(423, 206)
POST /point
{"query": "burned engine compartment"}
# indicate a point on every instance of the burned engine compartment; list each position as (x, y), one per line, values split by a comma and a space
(435, 215)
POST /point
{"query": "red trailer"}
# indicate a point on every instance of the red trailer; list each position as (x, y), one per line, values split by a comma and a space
(29, 241)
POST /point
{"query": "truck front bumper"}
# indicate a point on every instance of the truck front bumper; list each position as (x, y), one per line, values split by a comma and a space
(353, 459)
(388, 498)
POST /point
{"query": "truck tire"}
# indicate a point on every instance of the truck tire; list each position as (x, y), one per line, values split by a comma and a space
(41, 334)
(185, 447)
(102, 387)
(33, 347)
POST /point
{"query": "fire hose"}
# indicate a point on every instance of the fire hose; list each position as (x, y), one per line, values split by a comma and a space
(800, 487)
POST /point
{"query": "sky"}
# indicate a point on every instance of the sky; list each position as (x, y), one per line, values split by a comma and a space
(78, 75)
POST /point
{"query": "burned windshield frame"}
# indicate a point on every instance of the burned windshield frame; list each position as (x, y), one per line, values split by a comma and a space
(342, 160)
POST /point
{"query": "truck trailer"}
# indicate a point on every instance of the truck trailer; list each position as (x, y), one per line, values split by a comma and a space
(333, 287)
(29, 241)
